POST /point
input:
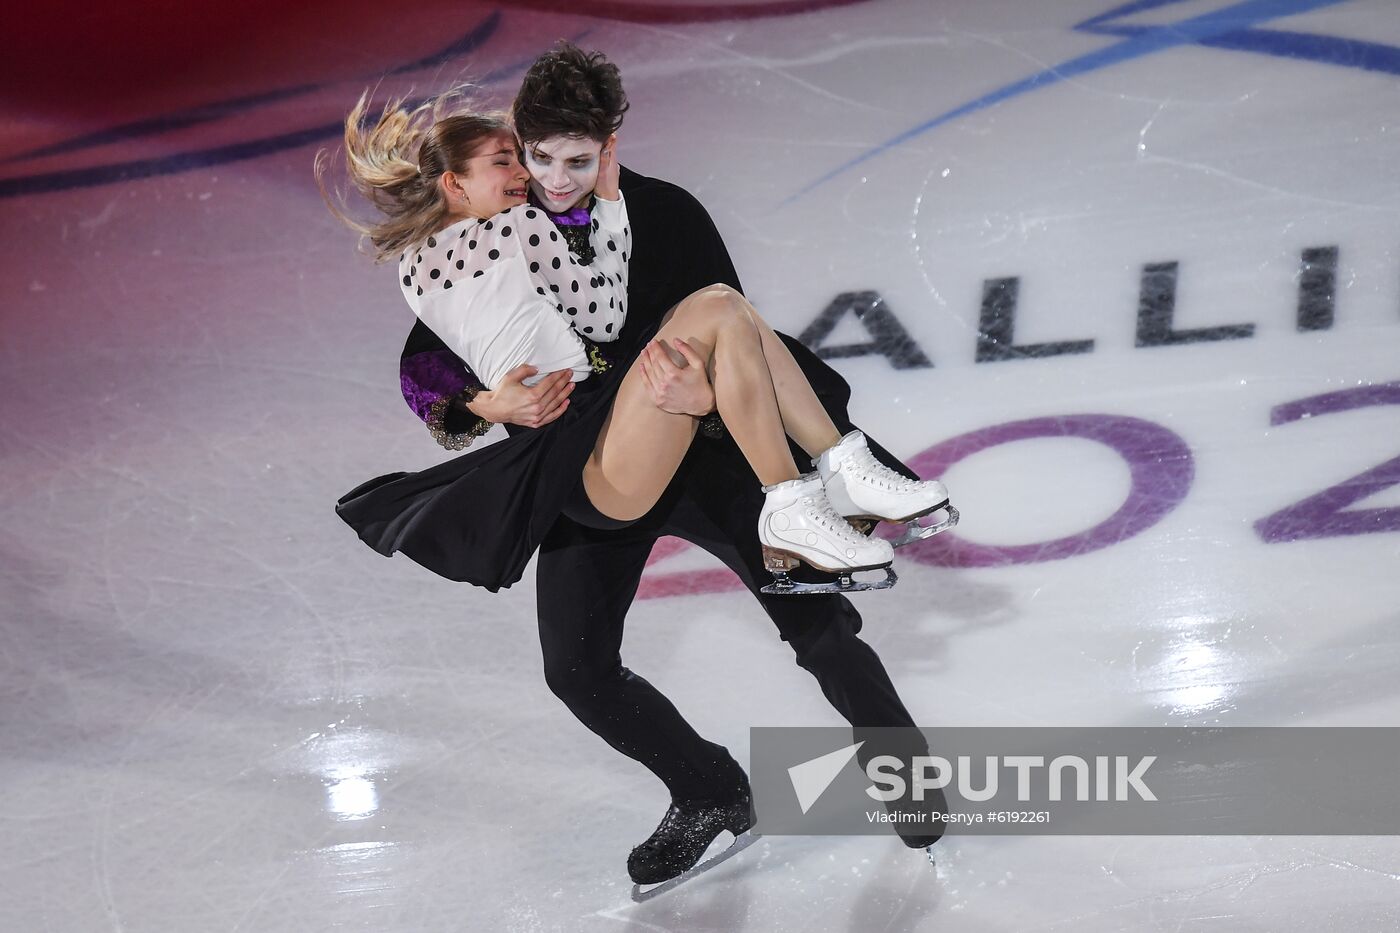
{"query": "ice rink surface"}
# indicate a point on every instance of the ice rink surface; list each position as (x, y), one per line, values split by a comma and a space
(1146, 261)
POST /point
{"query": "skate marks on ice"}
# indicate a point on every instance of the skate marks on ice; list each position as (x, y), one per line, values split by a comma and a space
(641, 895)
(737, 844)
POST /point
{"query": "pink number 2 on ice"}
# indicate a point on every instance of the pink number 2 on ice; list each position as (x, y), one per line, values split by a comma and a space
(1322, 515)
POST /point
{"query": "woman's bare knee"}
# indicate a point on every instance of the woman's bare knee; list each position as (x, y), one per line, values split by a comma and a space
(713, 307)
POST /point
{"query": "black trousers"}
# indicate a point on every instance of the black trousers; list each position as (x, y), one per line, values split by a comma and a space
(586, 581)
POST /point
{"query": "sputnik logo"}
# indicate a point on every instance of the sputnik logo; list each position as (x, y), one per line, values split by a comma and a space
(811, 778)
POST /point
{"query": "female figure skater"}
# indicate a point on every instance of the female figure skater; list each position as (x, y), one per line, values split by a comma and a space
(493, 278)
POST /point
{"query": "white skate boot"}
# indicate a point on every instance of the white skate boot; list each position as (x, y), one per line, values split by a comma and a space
(863, 489)
(798, 525)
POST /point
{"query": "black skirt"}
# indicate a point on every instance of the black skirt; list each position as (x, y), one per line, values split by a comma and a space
(479, 518)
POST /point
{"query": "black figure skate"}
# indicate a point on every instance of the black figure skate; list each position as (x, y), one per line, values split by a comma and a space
(686, 831)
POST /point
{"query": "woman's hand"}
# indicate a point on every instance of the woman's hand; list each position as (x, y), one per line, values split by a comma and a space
(606, 185)
(512, 402)
(682, 389)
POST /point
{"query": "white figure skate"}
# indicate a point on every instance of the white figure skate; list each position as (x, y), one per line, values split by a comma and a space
(865, 490)
(798, 526)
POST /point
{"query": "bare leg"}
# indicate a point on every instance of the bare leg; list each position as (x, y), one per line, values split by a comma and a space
(640, 446)
(804, 418)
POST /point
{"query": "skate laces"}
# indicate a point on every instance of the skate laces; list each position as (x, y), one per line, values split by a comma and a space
(669, 821)
(672, 823)
(880, 475)
(825, 514)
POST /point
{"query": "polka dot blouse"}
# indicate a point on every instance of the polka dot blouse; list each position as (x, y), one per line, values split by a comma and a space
(507, 291)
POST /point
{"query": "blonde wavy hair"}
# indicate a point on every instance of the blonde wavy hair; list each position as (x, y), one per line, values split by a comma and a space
(397, 160)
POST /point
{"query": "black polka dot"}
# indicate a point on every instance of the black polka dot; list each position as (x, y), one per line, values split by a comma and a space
(608, 328)
(431, 242)
(446, 283)
(462, 235)
(553, 235)
(449, 254)
(505, 231)
(624, 255)
(489, 225)
(461, 263)
(593, 307)
(477, 274)
(554, 288)
(588, 330)
(573, 310)
(531, 214)
(534, 267)
(494, 254)
(574, 286)
(471, 244)
(534, 239)
(407, 280)
(539, 289)
(434, 274)
(612, 246)
(559, 307)
(420, 289)
(626, 231)
(610, 302)
(595, 225)
(555, 263)
(419, 258)
(413, 271)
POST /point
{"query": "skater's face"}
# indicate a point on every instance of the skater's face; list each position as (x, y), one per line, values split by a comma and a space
(563, 169)
(491, 180)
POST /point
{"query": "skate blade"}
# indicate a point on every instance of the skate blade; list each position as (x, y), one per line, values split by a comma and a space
(845, 582)
(740, 843)
(913, 531)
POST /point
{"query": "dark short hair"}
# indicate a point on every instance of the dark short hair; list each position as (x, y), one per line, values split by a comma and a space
(569, 92)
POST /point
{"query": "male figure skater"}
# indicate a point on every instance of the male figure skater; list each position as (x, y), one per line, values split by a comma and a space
(569, 104)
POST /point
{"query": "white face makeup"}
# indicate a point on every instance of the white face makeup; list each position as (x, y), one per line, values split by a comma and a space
(563, 169)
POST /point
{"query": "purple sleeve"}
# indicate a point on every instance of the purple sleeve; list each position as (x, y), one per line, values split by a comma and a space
(431, 381)
(429, 377)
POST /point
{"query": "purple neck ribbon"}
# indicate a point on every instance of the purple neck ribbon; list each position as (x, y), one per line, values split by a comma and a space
(574, 217)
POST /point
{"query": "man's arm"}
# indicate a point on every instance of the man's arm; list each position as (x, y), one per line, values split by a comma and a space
(450, 399)
(438, 387)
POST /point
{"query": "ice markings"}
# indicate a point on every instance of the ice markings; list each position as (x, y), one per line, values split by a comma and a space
(1144, 41)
